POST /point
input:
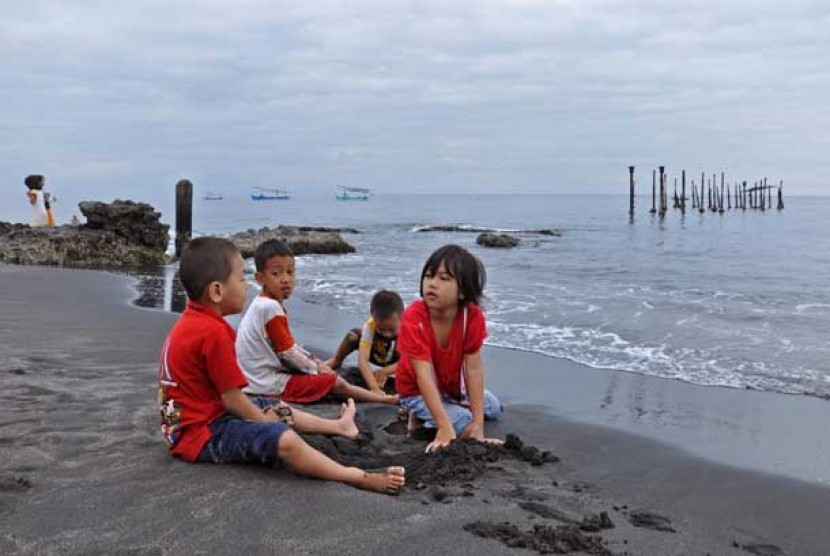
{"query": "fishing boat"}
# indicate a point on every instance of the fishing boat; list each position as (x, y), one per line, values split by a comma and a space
(353, 193)
(212, 196)
(263, 194)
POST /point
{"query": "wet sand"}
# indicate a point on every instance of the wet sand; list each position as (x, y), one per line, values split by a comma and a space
(83, 469)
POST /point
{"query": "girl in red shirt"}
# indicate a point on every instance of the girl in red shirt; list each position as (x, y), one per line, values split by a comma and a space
(440, 378)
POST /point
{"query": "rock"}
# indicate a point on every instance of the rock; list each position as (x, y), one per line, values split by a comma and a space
(497, 240)
(301, 241)
(477, 229)
(121, 235)
(138, 223)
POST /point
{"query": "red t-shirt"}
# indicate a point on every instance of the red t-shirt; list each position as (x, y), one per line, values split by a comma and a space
(416, 340)
(198, 363)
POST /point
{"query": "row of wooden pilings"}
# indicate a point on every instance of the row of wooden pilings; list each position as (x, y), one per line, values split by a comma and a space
(708, 196)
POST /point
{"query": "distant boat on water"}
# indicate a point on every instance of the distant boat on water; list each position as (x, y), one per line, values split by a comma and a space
(263, 194)
(212, 196)
(353, 193)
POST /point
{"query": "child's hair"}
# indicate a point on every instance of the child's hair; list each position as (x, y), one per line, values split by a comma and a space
(268, 250)
(465, 267)
(205, 260)
(33, 181)
(385, 303)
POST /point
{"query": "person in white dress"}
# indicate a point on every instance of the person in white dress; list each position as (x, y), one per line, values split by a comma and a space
(35, 183)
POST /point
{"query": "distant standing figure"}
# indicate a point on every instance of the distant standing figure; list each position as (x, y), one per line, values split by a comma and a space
(75, 222)
(34, 184)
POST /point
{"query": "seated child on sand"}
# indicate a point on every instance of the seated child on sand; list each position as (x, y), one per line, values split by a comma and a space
(205, 415)
(440, 377)
(375, 342)
(270, 358)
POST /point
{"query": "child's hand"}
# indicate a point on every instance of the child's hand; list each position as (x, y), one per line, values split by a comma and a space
(442, 439)
(324, 369)
(380, 378)
(477, 432)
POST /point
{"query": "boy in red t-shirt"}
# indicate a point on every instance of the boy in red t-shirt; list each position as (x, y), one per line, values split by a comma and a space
(439, 377)
(205, 415)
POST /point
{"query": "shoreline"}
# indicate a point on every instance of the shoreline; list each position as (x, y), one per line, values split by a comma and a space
(742, 428)
(79, 428)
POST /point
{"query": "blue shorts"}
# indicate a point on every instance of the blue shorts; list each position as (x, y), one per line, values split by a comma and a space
(235, 440)
(458, 411)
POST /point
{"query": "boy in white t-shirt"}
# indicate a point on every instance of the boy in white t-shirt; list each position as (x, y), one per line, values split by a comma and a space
(274, 364)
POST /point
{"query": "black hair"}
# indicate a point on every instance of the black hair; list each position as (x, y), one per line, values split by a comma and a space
(385, 303)
(465, 267)
(33, 181)
(269, 249)
(205, 260)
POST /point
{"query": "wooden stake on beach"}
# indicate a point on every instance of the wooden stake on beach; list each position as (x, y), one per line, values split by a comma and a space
(720, 197)
(769, 194)
(631, 186)
(184, 214)
(662, 190)
(702, 192)
(683, 192)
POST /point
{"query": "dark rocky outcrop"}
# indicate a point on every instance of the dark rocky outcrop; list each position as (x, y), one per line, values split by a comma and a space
(122, 234)
(138, 223)
(303, 241)
(497, 240)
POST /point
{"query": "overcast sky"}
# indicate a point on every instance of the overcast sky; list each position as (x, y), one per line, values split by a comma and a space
(114, 99)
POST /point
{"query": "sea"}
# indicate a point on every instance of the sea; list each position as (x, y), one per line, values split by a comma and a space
(739, 299)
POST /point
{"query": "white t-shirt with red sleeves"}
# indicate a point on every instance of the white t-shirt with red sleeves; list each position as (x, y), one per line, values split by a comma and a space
(262, 334)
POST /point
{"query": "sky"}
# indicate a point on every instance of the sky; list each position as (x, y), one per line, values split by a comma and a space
(114, 100)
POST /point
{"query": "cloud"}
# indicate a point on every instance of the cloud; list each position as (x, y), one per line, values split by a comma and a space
(542, 95)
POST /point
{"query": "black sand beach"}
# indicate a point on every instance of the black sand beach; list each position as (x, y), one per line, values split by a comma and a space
(83, 469)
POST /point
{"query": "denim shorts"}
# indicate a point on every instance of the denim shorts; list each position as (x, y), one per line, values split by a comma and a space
(235, 440)
(458, 411)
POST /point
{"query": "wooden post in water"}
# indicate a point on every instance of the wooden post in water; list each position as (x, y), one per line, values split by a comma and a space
(631, 187)
(763, 192)
(709, 193)
(728, 197)
(662, 190)
(653, 191)
(184, 214)
(781, 195)
(683, 192)
(743, 196)
(769, 194)
(694, 195)
(676, 200)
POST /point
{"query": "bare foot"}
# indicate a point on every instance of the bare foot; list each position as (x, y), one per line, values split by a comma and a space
(413, 423)
(388, 481)
(346, 424)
